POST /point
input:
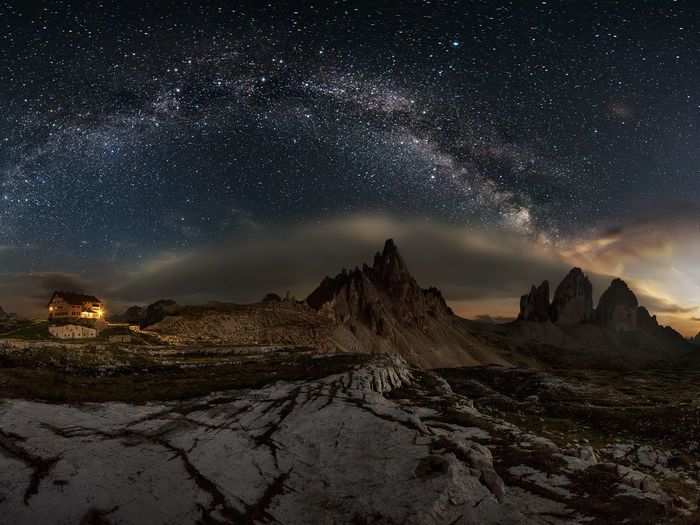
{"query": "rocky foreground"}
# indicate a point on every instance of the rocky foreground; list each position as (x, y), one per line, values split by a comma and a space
(377, 442)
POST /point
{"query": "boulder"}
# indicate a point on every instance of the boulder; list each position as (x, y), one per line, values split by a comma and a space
(134, 314)
(638, 480)
(617, 308)
(535, 305)
(573, 299)
(158, 311)
(271, 298)
(588, 455)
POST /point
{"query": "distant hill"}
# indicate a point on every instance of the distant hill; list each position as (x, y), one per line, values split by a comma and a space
(271, 324)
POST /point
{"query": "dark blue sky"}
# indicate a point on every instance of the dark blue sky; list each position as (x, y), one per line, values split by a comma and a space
(133, 128)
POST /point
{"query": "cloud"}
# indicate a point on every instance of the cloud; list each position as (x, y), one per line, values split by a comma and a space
(658, 252)
(465, 264)
(662, 306)
(28, 293)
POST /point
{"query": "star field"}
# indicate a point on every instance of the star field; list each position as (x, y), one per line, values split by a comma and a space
(130, 128)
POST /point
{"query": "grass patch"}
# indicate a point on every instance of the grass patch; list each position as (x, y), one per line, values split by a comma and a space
(34, 331)
(153, 381)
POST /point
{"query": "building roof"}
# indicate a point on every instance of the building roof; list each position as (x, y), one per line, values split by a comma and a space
(74, 298)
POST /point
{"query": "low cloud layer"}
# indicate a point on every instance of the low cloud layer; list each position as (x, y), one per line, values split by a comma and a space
(464, 264)
(659, 255)
(480, 272)
(26, 292)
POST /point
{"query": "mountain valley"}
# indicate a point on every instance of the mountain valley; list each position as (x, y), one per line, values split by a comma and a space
(370, 402)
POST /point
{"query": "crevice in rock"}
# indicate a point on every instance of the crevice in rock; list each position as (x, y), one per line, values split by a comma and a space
(95, 516)
(258, 511)
(360, 403)
(286, 407)
(40, 466)
(218, 499)
(332, 395)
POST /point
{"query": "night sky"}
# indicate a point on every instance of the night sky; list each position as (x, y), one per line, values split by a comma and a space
(135, 135)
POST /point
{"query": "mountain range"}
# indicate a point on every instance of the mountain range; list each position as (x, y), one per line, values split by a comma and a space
(381, 308)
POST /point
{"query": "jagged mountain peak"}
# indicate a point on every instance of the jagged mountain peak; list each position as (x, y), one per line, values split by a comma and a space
(390, 248)
(573, 299)
(576, 274)
(379, 295)
(534, 306)
(617, 308)
(619, 283)
(388, 265)
(619, 293)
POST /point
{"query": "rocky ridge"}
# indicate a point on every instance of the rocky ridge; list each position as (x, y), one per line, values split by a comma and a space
(572, 302)
(382, 308)
(378, 295)
(618, 308)
(270, 323)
